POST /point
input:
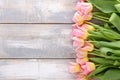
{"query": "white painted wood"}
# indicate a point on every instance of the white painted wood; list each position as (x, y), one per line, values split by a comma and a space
(55, 69)
(36, 11)
(19, 69)
(32, 69)
(36, 41)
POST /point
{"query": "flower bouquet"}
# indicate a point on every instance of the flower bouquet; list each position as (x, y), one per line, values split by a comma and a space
(96, 40)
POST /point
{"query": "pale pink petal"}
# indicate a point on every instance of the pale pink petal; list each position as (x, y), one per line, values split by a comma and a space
(82, 61)
(81, 76)
(79, 33)
(88, 27)
(84, 7)
(77, 42)
(88, 67)
(81, 53)
(87, 16)
(74, 67)
(77, 18)
(88, 46)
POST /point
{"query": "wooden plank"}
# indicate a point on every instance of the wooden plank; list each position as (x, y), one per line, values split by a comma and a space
(32, 69)
(19, 69)
(55, 69)
(36, 11)
(36, 41)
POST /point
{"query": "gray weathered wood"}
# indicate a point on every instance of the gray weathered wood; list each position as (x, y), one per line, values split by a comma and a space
(35, 41)
(55, 69)
(36, 11)
(19, 69)
(42, 69)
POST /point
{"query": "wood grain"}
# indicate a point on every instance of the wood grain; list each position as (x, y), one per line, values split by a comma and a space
(32, 69)
(36, 11)
(36, 41)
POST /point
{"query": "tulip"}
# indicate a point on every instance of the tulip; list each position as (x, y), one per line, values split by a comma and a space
(82, 61)
(81, 76)
(88, 46)
(74, 67)
(84, 7)
(88, 67)
(84, 27)
(79, 33)
(79, 18)
(88, 27)
(81, 53)
(77, 42)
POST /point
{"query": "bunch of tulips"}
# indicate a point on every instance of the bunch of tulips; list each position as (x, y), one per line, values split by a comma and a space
(97, 46)
(82, 67)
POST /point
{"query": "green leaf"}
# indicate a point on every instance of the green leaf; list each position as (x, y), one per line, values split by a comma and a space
(106, 6)
(99, 69)
(117, 6)
(115, 20)
(112, 74)
(102, 61)
(105, 50)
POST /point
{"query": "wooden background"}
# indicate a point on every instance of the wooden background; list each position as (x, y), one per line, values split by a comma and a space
(35, 41)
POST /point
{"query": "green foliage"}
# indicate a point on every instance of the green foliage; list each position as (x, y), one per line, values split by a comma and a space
(112, 74)
(106, 6)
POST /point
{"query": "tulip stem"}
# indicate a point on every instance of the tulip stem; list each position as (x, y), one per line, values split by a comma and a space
(100, 19)
(92, 41)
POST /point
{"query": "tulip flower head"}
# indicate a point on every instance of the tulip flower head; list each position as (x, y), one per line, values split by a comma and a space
(81, 53)
(81, 76)
(84, 7)
(79, 17)
(79, 33)
(82, 61)
(74, 67)
(77, 42)
(88, 27)
(88, 46)
(88, 67)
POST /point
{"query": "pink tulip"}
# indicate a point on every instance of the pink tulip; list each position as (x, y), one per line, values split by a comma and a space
(74, 67)
(75, 26)
(81, 76)
(81, 79)
(88, 27)
(79, 33)
(84, 7)
(79, 17)
(81, 53)
(77, 42)
(82, 27)
(88, 67)
(82, 61)
(88, 46)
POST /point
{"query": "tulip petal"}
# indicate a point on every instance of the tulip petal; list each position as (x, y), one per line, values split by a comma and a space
(81, 53)
(88, 46)
(78, 42)
(88, 27)
(84, 7)
(81, 76)
(80, 33)
(82, 61)
(88, 67)
(78, 19)
(74, 67)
